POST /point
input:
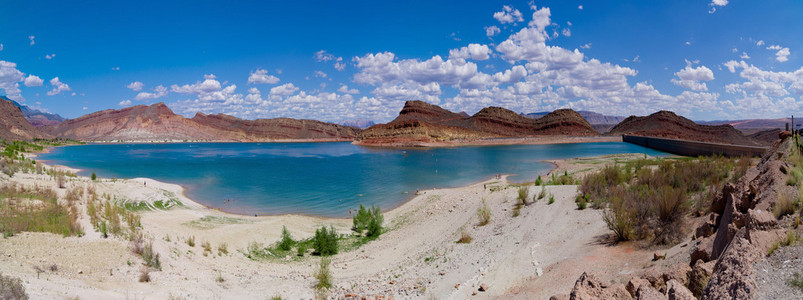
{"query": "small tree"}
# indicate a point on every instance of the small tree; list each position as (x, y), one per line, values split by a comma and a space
(368, 219)
(375, 222)
(94, 177)
(360, 220)
(287, 241)
(325, 241)
(538, 181)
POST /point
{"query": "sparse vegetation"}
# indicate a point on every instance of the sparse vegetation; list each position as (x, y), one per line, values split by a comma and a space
(650, 199)
(538, 181)
(785, 205)
(369, 220)
(564, 179)
(222, 249)
(144, 274)
(484, 214)
(191, 241)
(465, 238)
(36, 209)
(323, 275)
(796, 281)
(551, 199)
(94, 176)
(524, 193)
(207, 248)
(11, 288)
(325, 241)
(286, 243)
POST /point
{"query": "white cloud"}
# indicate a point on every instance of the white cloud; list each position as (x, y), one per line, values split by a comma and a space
(688, 43)
(764, 92)
(760, 43)
(345, 90)
(715, 3)
(260, 76)
(586, 46)
(541, 18)
(492, 31)
(58, 87)
(50, 56)
(783, 53)
(340, 66)
(567, 32)
(508, 15)
(580, 7)
(323, 56)
(320, 74)
(135, 86)
(124, 103)
(9, 80)
(209, 92)
(744, 56)
(284, 90)
(158, 92)
(33, 80)
(1, 47)
(31, 37)
(513, 75)
(115, 68)
(690, 78)
(472, 51)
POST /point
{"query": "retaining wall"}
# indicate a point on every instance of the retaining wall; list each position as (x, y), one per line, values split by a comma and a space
(694, 148)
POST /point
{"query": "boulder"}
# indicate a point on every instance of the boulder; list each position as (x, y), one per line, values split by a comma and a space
(646, 292)
(633, 285)
(677, 272)
(589, 287)
(559, 297)
(677, 291)
(702, 251)
(699, 275)
(734, 276)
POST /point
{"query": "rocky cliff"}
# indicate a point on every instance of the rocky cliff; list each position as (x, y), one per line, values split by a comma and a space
(36, 117)
(421, 122)
(157, 123)
(14, 126)
(667, 124)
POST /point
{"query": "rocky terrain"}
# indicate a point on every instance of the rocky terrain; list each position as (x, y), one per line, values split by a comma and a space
(36, 117)
(421, 122)
(593, 118)
(667, 124)
(727, 257)
(158, 123)
(14, 126)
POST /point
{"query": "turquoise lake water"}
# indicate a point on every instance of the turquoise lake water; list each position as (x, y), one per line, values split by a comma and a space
(322, 179)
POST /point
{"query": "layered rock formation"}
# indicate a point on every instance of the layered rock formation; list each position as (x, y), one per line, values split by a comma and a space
(37, 118)
(420, 123)
(14, 126)
(157, 122)
(667, 124)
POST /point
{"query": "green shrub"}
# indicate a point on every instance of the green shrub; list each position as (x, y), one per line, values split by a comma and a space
(542, 193)
(325, 241)
(287, 241)
(368, 219)
(94, 177)
(524, 193)
(582, 202)
(323, 275)
(551, 199)
(301, 249)
(538, 181)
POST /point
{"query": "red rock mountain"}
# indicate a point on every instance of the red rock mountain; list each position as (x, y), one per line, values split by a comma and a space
(669, 125)
(14, 126)
(157, 122)
(420, 122)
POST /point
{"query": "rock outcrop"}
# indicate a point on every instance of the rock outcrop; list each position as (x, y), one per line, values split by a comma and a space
(667, 124)
(420, 122)
(157, 122)
(36, 117)
(14, 126)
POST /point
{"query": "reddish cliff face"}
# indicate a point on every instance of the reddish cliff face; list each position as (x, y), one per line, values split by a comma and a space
(14, 126)
(669, 125)
(157, 122)
(420, 122)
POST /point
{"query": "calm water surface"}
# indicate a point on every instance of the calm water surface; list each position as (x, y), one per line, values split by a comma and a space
(323, 179)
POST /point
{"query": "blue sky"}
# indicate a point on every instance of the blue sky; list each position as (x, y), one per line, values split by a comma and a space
(339, 61)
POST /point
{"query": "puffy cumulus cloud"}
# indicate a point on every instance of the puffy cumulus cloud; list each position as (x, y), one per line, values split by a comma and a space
(323, 56)
(32, 39)
(135, 86)
(340, 66)
(508, 15)
(284, 90)
(158, 92)
(346, 90)
(744, 56)
(764, 92)
(209, 91)
(58, 87)
(10, 78)
(472, 51)
(209, 85)
(383, 69)
(491, 31)
(33, 80)
(716, 3)
(513, 75)
(124, 103)
(783, 53)
(320, 74)
(541, 18)
(260, 76)
(690, 78)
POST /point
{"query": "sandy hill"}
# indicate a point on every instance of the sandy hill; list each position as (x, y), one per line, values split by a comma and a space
(421, 122)
(669, 125)
(157, 122)
(14, 126)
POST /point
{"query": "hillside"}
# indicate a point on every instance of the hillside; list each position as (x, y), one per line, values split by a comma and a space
(14, 126)
(667, 124)
(593, 118)
(158, 123)
(421, 122)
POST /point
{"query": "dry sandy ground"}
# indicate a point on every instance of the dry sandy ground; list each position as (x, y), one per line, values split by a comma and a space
(535, 255)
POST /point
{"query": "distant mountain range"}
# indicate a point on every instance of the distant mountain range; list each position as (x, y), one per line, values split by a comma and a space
(14, 126)
(590, 116)
(422, 123)
(667, 124)
(36, 117)
(359, 123)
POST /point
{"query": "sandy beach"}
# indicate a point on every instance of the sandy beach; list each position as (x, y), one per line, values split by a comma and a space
(534, 255)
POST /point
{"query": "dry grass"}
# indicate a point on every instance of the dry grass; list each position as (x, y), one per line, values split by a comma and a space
(784, 205)
(36, 209)
(11, 288)
(484, 214)
(323, 275)
(465, 238)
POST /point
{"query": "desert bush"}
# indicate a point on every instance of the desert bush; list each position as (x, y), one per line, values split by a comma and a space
(582, 202)
(542, 193)
(551, 199)
(368, 219)
(538, 181)
(484, 214)
(323, 274)
(564, 179)
(287, 241)
(144, 274)
(618, 219)
(325, 241)
(257, 251)
(207, 247)
(222, 249)
(784, 205)
(11, 288)
(524, 193)
(191, 241)
(36, 209)
(94, 176)
(465, 238)
(301, 249)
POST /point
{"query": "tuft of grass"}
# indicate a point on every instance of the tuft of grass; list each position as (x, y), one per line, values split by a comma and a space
(524, 193)
(191, 241)
(37, 209)
(465, 238)
(12, 288)
(796, 281)
(144, 275)
(220, 278)
(582, 202)
(301, 249)
(484, 214)
(784, 205)
(207, 247)
(551, 199)
(323, 275)
(222, 249)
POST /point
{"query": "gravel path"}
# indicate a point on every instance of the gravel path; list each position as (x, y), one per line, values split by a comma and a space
(775, 272)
